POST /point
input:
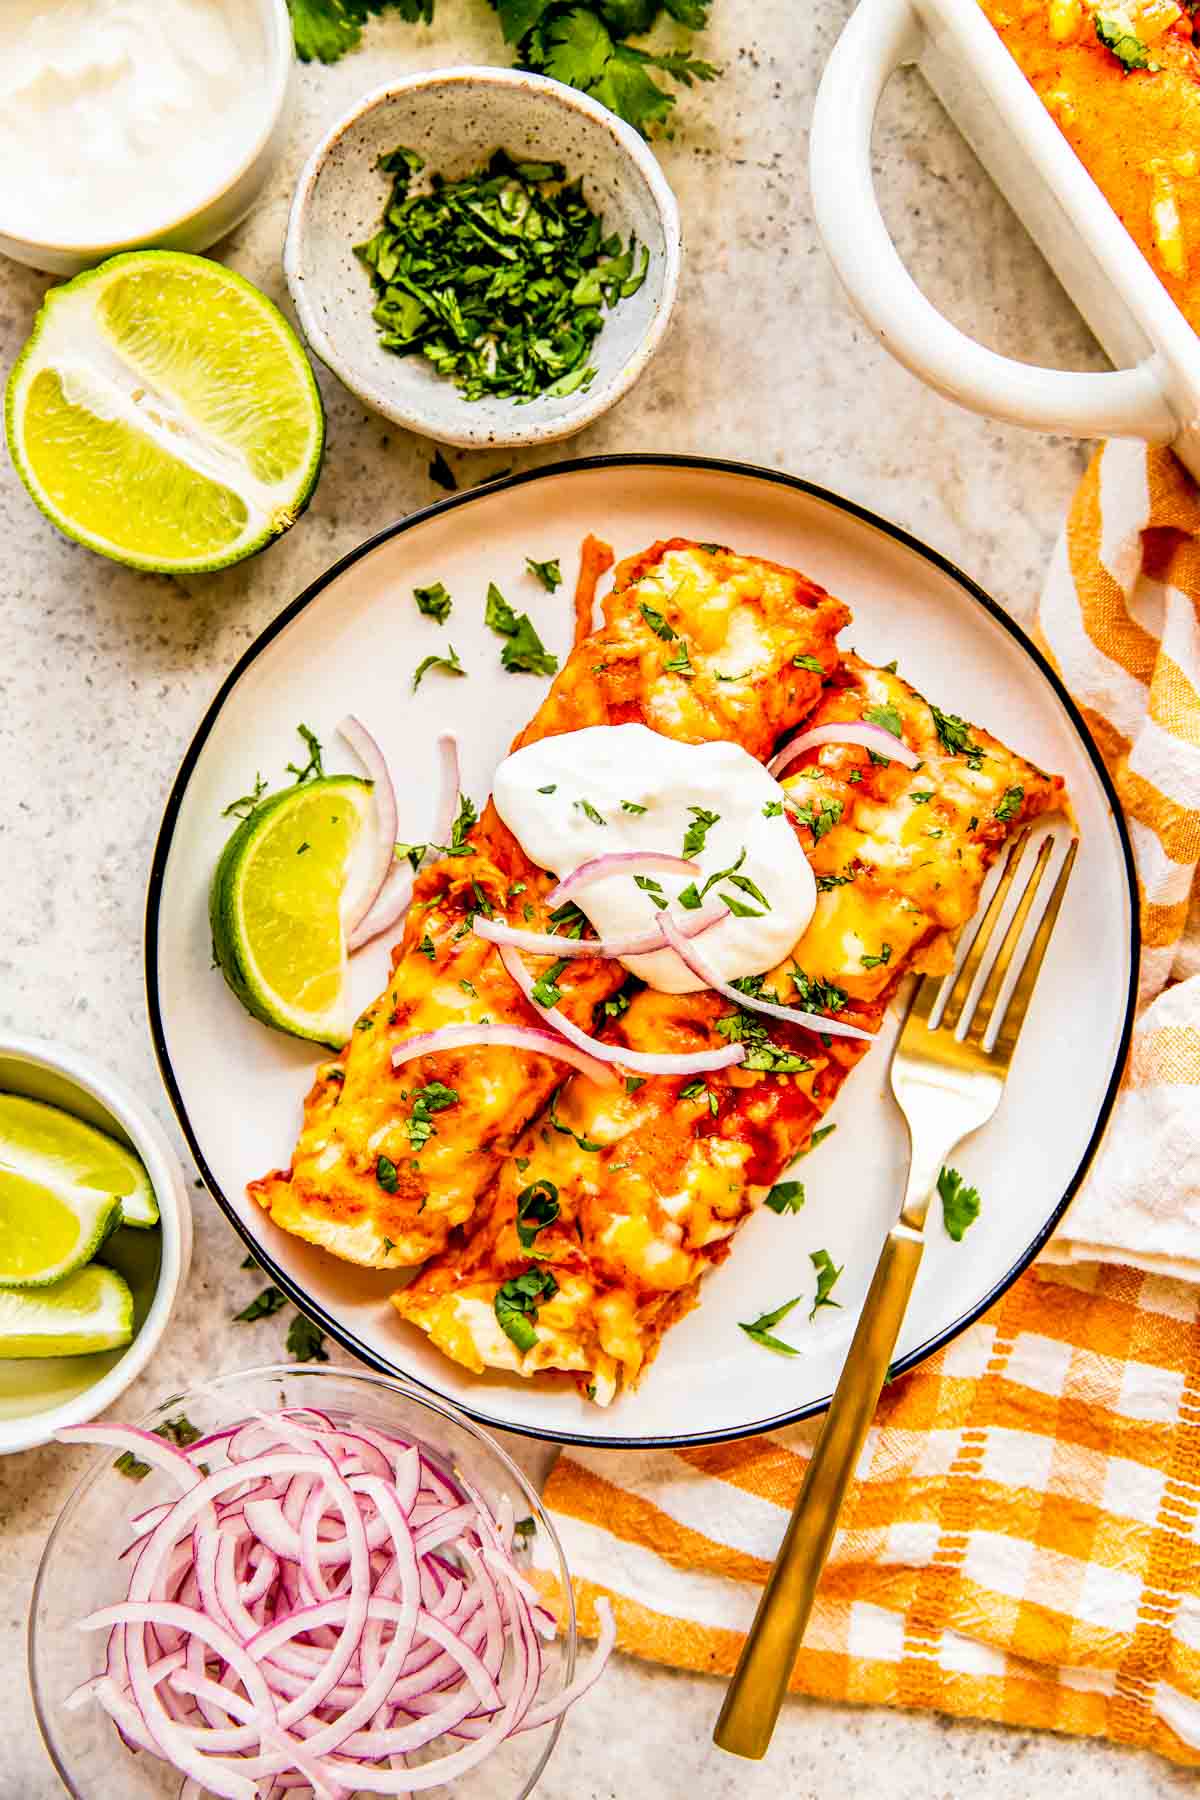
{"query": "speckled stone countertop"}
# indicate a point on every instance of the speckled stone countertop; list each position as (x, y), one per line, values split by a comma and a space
(104, 673)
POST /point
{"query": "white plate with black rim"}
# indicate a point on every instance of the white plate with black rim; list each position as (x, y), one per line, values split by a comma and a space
(351, 642)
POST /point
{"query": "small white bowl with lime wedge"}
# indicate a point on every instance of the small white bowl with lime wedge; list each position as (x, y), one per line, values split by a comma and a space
(70, 1127)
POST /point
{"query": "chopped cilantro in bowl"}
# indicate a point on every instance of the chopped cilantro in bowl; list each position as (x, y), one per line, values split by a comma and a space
(539, 287)
(500, 277)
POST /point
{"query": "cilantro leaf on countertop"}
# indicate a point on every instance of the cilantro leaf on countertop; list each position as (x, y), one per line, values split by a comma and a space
(306, 1341)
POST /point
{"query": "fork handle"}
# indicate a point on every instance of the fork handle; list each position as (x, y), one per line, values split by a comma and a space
(760, 1680)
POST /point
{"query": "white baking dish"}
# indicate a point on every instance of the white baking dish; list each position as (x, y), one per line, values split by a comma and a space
(1154, 391)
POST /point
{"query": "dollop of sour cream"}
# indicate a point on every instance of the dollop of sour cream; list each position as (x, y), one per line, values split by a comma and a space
(119, 117)
(616, 788)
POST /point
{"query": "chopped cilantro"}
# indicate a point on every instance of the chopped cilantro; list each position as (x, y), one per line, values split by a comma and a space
(885, 716)
(551, 787)
(819, 1135)
(954, 735)
(762, 1053)
(434, 1097)
(386, 1174)
(434, 602)
(960, 1204)
(525, 653)
(537, 1207)
(739, 908)
(263, 1305)
(589, 811)
(497, 613)
(1010, 804)
(427, 947)
(468, 987)
(482, 903)
(815, 995)
(826, 882)
(923, 798)
(760, 1329)
(631, 806)
(633, 1083)
(449, 663)
(773, 809)
(680, 664)
(585, 1143)
(467, 816)
(702, 823)
(305, 1342)
(827, 1276)
(655, 621)
(516, 1304)
(808, 662)
(548, 573)
(819, 815)
(545, 990)
(500, 278)
(568, 920)
(877, 962)
(439, 469)
(1112, 29)
(786, 1196)
(523, 1531)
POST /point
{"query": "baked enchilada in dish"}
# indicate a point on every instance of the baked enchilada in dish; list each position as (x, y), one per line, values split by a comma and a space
(632, 989)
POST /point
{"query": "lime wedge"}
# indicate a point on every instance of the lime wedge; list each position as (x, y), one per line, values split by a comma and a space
(53, 1149)
(164, 413)
(275, 906)
(90, 1310)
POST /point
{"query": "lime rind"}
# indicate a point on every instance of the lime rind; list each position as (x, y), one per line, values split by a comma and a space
(168, 445)
(88, 1311)
(232, 947)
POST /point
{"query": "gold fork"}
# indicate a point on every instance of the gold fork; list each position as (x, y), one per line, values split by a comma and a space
(946, 1087)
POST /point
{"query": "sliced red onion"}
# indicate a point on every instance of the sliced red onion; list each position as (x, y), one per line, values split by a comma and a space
(644, 943)
(512, 1037)
(622, 862)
(392, 898)
(386, 820)
(254, 1697)
(450, 784)
(867, 737)
(699, 1062)
(791, 1015)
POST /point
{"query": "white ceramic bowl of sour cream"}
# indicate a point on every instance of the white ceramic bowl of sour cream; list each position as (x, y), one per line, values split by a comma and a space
(134, 123)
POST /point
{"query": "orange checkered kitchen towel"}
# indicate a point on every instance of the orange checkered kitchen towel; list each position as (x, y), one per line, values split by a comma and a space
(1021, 1543)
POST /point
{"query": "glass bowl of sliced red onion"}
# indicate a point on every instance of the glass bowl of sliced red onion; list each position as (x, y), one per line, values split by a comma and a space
(302, 1581)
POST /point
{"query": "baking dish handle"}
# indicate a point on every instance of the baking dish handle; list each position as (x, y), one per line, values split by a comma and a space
(880, 36)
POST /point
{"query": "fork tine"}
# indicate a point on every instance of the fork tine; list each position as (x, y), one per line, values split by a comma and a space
(983, 936)
(1018, 1004)
(982, 1016)
(925, 999)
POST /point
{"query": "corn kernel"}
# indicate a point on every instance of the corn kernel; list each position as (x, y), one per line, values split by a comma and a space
(1165, 225)
(1066, 16)
(1061, 103)
(1186, 163)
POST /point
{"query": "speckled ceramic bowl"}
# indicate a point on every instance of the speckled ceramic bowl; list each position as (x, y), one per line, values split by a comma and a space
(455, 118)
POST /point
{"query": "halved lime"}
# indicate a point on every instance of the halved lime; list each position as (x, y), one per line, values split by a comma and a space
(164, 413)
(90, 1310)
(275, 906)
(56, 1150)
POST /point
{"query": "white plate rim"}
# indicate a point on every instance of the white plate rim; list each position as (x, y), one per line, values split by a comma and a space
(347, 1339)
